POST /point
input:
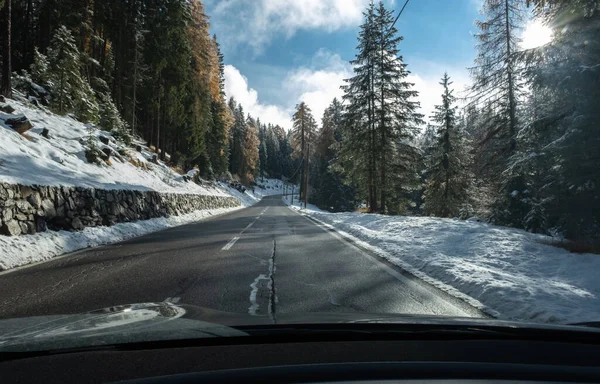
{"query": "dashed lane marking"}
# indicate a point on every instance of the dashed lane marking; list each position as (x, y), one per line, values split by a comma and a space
(228, 246)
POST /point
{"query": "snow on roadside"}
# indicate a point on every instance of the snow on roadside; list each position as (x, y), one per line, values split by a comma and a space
(503, 271)
(22, 250)
(60, 160)
(266, 187)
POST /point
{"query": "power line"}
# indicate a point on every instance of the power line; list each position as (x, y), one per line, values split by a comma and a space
(301, 164)
(400, 14)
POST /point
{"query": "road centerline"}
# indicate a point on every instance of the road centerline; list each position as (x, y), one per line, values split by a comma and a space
(231, 242)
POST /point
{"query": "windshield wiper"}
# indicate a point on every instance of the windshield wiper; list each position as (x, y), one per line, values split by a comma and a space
(589, 324)
(358, 330)
(361, 331)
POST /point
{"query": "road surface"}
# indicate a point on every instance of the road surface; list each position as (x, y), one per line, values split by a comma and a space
(262, 260)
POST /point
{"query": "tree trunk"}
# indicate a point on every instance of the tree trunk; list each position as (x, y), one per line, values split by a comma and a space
(302, 176)
(61, 98)
(383, 137)
(158, 125)
(511, 86)
(163, 140)
(150, 126)
(135, 75)
(5, 83)
(29, 36)
(373, 204)
(445, 210)
(120, 63)
(371, 145)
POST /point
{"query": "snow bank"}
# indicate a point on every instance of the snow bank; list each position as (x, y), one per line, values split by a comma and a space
(21, 250)
(60, 160)
(503, 271)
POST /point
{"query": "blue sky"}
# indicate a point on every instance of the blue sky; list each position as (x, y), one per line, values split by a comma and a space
(281, 52)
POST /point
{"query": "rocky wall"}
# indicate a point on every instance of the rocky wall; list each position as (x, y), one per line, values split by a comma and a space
(32, 209)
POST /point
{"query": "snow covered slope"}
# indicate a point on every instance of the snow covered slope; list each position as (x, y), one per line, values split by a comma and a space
(60, 160)
(507, 271)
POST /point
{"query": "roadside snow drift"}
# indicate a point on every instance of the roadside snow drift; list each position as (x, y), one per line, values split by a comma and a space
(507, 270)
(22, 250)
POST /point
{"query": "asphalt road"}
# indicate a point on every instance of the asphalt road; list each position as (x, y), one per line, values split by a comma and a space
(262, 260)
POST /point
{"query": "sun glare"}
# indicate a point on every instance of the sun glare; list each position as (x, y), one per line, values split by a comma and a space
(536, 35)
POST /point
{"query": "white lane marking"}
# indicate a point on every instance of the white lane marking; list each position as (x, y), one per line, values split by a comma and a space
(349, 239)
(173, 300)
(230, 244)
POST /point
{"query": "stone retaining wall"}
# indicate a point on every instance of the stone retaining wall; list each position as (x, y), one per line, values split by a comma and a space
(32, 209)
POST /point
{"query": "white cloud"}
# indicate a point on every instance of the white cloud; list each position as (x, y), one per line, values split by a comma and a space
(317, 85)
(427, 77)
(258, 21)
(236, 85)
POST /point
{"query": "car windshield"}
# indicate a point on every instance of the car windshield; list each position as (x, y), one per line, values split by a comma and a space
(194, 162)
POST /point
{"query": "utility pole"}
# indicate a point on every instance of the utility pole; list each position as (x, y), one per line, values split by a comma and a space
(306, 178)
(304, 155)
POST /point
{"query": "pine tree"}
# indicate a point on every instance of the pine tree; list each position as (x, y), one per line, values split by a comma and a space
(250, 154)
(138, 73)
(331, 192)
(289, 165)
(378, 150)
(427, 140)
(151, 63)
(449, 179)
(110, 119)
(273, 153)
(70, 91)
(39, 69)
(303, 134)
(496, 86)
(238, 136)
(395, 111)
(357, 157)
(560, 153)
(218, 136)
(262, 156)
